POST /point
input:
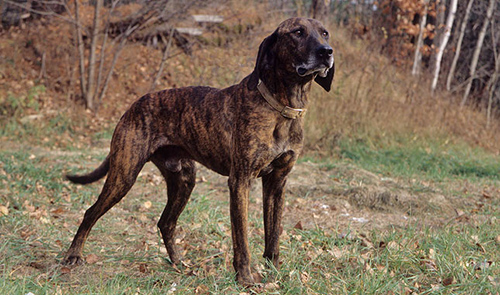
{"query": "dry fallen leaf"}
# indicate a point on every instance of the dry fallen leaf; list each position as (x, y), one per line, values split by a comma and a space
(147, 205)
(143, 268)
(298, 225)
(4, 210)
(429, 264)
(448, 281)
(392, 245)
(91, 258)
(304, 277)
(494, 281)
(58, 211)
(65, 270)
(432, 254)
(337, 252)
(201, 289)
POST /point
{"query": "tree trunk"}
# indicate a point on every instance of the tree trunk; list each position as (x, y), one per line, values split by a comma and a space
(477, 51)
(81, 51)
(91, 91)
(459, 45)
(491, 93)
(444, 41)
(320, 9)
(418, 53)
(102, 54)
(494, 77)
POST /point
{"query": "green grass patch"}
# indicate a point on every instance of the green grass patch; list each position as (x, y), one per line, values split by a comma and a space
(407, 157)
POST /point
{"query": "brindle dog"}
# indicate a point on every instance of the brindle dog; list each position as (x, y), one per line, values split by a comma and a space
(249, 130)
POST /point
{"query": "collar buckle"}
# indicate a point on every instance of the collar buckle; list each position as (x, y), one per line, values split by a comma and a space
(285, 111)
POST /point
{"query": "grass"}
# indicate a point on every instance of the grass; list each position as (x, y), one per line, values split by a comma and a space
(428, 158)
(460, 257)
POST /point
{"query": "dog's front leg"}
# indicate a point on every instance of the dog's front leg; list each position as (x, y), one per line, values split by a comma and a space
(239, 187)
(273, 186)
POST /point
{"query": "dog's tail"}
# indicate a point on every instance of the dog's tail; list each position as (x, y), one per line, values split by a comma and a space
(93, 176)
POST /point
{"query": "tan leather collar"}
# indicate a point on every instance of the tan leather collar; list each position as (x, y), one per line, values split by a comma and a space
(285, 111)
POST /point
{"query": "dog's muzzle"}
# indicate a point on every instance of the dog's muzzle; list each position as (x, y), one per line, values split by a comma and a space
(319, 63)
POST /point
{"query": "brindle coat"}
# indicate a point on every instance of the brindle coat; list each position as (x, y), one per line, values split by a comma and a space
(232, 131)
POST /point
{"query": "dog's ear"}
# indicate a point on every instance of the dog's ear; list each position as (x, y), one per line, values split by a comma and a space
(326, 82)
(265, 59)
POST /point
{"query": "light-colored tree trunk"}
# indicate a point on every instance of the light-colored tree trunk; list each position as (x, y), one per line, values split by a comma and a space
(444, 41)
(93, 55)
(420, 41)
(477, 51)
(451, 74)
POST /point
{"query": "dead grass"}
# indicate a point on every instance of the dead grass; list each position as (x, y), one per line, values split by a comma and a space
(374, 100)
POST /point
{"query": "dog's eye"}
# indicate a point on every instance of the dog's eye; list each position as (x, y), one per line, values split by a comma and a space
(298, 32)
(325, 34)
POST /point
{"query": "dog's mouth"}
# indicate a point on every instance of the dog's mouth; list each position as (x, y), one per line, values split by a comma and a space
(321, 71)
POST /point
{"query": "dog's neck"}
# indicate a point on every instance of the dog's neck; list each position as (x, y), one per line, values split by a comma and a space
(284, 110)
(292, 94)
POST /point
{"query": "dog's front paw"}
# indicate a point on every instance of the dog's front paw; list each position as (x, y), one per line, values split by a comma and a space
(245, 280)
(73, 260)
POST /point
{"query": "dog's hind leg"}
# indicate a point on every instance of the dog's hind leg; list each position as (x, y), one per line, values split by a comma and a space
(180, 176)
(122, 175)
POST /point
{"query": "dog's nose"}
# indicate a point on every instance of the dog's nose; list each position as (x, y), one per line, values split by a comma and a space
(324, 51)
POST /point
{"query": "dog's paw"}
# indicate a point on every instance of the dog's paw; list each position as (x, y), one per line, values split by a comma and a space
(73, 260)
(246, 281)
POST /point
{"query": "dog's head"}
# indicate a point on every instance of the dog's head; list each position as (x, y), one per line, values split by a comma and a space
(298, 48)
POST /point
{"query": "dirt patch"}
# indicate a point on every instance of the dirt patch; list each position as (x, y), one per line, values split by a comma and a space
(343, 198)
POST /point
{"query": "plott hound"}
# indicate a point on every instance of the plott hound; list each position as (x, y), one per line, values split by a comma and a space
(248, 130)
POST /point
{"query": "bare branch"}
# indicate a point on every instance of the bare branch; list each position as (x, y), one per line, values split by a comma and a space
(166, 54)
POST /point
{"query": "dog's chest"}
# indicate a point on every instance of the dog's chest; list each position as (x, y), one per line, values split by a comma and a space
(288, 135)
